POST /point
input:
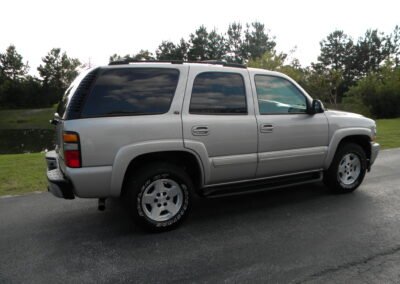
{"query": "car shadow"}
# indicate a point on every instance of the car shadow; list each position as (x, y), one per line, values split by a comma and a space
(211, 211)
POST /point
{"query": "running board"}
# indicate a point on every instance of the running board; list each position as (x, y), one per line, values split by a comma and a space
(262, 185)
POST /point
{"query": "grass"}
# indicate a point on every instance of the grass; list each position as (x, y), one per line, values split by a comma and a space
(26, 118)
(22, 173)
(388, 133)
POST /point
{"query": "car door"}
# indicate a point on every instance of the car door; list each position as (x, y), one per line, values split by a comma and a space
(219, 122)
(289, 139)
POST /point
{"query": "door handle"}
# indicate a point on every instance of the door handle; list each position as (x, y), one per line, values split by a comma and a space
(266, 128)
(200, 130)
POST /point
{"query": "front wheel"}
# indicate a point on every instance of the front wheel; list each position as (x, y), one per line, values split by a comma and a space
(347, 170)
(159, 196)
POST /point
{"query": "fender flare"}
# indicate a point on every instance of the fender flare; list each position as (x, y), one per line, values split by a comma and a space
(338, 136)
(129, 152)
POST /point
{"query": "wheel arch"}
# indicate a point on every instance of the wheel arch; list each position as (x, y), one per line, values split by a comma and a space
(359, 136)
(185, 159)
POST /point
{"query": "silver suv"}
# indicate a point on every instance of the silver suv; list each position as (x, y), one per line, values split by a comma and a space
(154, 133)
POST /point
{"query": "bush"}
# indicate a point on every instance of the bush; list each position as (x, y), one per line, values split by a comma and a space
(379, 92)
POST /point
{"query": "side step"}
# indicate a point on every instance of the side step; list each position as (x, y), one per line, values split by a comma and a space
(262, 185)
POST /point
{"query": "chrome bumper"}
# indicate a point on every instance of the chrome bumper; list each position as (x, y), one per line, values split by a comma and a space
(374, 153)
(58, 185)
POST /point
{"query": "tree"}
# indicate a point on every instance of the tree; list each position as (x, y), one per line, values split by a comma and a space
(370, 52)
(257, 41)
(198, 44)
(11, 64)
(143, 55)
(57, 73)
(335, 69)
(167, 50)
(270, 60)
(234, 44)
(115, 57)
(379, 91)
(324, 84)
(216, 47)
(395, 46)
(336, 51)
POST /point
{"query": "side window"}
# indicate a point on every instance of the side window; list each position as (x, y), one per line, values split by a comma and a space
(278, 96)
(132, 91)
(218, 93)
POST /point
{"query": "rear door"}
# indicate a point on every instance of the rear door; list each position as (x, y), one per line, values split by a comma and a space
(219, 122)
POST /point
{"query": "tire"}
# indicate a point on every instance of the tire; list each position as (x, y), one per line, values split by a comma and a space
(347, 169)
(159, 196)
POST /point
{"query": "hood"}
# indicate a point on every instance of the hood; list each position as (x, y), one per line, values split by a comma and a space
(342, 113)
(342, 119)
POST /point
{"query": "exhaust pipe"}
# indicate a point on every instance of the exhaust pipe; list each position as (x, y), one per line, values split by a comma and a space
(102, 204)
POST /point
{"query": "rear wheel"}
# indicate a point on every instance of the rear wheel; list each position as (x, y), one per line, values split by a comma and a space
(159, 195)
(347, 170)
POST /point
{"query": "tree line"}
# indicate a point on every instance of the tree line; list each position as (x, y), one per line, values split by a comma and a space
(18, 89)
(361, 75)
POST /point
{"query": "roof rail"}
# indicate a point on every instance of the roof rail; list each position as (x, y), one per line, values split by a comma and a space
(214, 62)
(127, 61)
(223, 63)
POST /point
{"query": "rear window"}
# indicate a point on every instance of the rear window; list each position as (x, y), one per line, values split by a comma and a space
(132, 91)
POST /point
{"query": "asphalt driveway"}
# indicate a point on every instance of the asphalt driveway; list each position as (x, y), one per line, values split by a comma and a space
(299, 234)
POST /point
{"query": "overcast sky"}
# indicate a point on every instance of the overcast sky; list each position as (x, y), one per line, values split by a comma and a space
(96, 29)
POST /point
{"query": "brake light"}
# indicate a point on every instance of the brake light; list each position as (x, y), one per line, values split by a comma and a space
(72, 150)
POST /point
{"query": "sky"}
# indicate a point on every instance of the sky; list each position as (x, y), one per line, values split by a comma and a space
(94, 30)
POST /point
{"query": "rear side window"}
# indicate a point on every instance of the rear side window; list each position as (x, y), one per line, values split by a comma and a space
(218, 93)
(132, 91)
(62, 105)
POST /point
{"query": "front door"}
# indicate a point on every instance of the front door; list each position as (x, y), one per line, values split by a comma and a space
(290, 140)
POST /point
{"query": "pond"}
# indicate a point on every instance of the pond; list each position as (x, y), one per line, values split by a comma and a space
(15, 141)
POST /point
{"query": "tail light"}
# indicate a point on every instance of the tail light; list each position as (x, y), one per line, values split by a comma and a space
(72, 150)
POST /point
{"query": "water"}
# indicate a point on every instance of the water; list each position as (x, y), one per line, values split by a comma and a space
(15, 141)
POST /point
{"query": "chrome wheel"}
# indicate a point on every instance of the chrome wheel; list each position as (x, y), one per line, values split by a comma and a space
(349, 169)
(162, 199)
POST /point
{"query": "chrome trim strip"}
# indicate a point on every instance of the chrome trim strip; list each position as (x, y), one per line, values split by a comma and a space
(264, 178)
(287, 154)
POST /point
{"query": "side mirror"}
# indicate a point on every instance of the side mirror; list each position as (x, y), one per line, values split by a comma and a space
(316, 107)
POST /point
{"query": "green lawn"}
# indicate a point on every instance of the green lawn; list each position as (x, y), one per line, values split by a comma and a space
(26, 118)
(388, 133)
(22, 173)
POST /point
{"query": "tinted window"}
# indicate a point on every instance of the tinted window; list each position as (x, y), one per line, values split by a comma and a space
(62, 105)
(278, 95)
(132, 91)
(218, 93)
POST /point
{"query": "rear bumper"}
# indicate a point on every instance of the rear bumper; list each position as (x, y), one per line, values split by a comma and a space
(375, 147)
(86, 182)
(58, 184)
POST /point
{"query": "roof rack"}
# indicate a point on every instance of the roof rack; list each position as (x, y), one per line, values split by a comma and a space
(223, 63)
(127, 61)
(214, 62)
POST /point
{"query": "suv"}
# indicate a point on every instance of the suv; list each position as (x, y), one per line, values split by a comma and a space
(155, 133)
